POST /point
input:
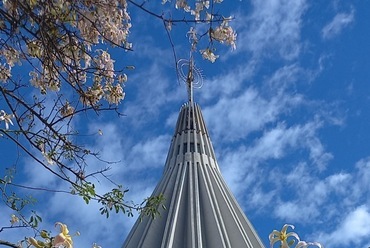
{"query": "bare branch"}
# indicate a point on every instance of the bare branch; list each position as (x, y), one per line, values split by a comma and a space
(6, 243)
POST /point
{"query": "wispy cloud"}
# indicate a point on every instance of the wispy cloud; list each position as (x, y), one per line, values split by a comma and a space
(248, 166)
(337, 25)
(234, 118)
(277, 142)
(274, 28)
(229, 83)
(153, 91)
(150, 153)
(353, 230)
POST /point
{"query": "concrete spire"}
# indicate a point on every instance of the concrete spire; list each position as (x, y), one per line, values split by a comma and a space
(201, 212)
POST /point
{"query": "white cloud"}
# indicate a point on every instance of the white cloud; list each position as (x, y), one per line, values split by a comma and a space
(108, 144)
(280, 140)
(229, 83)
(154, 93)
(311, 195)
(274, 25)
(332, 201)
(336, 26)
(339, 182)
(364, 168)
(289, 76)
(354, 229)
(233, 119)
(295, 212)
(149, 153)
(247, 168)
(318, 155)
(360, 188)
(241, 110)
(38, 176)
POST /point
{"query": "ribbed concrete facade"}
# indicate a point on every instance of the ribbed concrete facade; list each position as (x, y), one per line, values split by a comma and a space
(201, 212)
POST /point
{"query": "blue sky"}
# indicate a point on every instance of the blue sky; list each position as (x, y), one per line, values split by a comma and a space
(287, 111)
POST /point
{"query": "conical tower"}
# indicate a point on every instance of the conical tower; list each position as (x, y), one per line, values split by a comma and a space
(201, 211)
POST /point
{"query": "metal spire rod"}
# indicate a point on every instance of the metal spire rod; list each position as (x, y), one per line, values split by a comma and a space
(190, 74)
(190, 78)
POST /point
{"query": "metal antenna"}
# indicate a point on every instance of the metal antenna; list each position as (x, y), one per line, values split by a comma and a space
(191, 75)
(190, 79)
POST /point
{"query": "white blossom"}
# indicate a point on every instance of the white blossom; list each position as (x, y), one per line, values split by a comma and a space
(105, 64)
(169, 25)
(48, 157)
(7, 118)
(114, 94)
(122, 78)
(209, 55)
(225, 34)
(67, 110)
(35, 49)
(182, 4)
(289, 239)
(199, 7)
(13, 219)
(11, 55)
(92, 95)
(5, 73)
(209, 16)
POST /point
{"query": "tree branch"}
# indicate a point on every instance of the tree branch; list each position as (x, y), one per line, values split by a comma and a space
(6, 243)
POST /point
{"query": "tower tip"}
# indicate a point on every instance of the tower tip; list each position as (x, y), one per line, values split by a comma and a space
(190, 74)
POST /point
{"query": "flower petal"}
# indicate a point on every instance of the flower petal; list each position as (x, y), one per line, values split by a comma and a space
(285, 227)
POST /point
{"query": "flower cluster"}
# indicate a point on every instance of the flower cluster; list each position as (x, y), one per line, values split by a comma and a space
(108, 21)
(63, 239)
(209, 55)
(61, 51)
(199, 7)
(182, 4)
(67, 110)
(223, 33)
(289, 240)
(114, 93)
(47, 80)
(5, 73)
(10, 57)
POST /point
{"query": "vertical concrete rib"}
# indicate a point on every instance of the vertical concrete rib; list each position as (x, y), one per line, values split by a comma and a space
(201, 211)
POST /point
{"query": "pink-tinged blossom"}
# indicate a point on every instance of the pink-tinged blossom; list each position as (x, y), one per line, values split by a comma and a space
(225, 34)
(209, 55)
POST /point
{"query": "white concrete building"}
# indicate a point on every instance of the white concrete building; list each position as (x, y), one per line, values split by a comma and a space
(201, 211)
